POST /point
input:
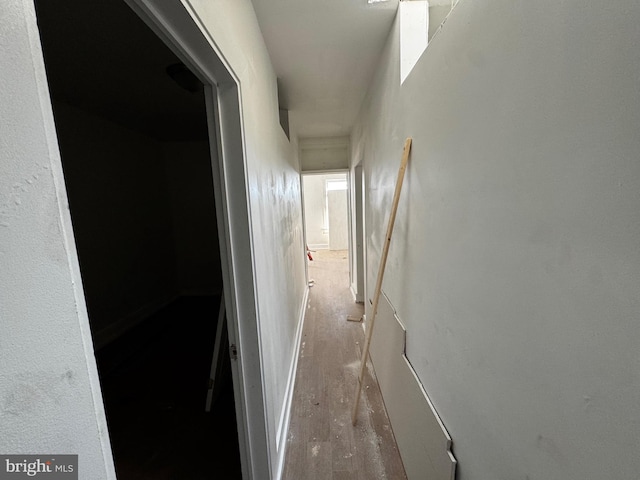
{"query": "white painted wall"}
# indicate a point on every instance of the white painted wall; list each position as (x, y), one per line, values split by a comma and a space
(316, 211)
(337, 211)
(274, 199)
(50, 398)
(356, 259)
(414, 28)
(49, 395)
(317, 233)
(324, 153)
(514, 264)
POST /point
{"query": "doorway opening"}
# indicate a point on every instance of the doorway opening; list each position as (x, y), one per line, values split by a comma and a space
(132, 131)
(326, 214)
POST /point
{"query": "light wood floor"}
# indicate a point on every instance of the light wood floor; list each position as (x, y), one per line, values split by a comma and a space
(321, 442)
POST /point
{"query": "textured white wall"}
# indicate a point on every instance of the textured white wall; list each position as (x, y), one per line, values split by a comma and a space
(274, 196)
(314, 206)
(515, 264)
(50, 399)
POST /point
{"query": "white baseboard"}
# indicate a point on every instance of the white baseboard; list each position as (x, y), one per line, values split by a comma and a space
(285, 415)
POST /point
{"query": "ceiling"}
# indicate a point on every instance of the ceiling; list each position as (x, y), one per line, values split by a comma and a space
(101, 57)
(324, 53)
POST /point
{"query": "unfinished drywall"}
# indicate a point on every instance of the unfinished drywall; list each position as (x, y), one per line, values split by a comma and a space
(514, 264)
(438, 12)
(424, 442)
(274, 199)
(121, 212)
(50, 398)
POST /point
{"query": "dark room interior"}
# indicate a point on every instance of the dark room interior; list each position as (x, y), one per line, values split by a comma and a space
(132, 130)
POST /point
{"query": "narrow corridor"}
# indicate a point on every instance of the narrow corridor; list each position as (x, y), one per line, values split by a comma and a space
(322, 443)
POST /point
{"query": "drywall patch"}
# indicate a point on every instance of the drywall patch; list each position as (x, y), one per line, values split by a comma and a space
(423, 441)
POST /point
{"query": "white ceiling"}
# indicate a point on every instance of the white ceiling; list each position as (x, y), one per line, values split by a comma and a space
(324, 53)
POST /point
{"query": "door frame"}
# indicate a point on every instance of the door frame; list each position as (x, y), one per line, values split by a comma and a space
(333, 171)
(358, 277)
(179, 27)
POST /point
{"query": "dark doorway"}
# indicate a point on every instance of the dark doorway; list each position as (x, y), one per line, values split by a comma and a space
(132, 130)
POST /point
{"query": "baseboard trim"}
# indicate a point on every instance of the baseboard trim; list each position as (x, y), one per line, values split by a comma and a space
(285, 415)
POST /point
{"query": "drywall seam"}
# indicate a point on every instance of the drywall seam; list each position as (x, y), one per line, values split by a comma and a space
(423, 441)
(454, 4)
(518, 272)
(285, 416)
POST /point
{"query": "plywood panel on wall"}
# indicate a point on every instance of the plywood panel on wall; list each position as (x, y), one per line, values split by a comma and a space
(423, 441)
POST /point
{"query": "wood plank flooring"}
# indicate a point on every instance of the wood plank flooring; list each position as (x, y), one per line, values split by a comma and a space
(321, 442)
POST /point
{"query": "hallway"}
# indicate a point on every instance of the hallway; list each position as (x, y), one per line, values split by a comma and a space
(154, 149)
(321, 442)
